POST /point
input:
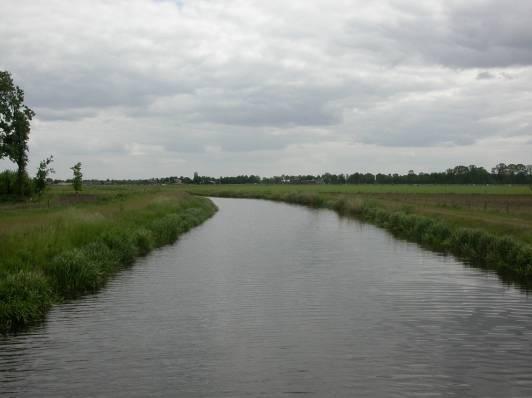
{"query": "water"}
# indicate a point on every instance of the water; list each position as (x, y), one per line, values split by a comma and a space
(268, 299)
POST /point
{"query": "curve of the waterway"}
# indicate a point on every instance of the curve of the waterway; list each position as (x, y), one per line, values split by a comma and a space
(269, 299)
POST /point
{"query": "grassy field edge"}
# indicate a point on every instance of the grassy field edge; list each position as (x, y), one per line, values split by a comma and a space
(512, 259)
(28, 290)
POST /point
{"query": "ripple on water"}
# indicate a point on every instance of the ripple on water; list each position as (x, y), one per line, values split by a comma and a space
(268, 299)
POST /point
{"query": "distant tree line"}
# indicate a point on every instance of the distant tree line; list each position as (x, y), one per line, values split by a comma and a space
(500, 174)
(135, 181)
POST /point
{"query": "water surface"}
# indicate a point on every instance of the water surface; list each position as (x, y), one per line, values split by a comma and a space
(269, 299)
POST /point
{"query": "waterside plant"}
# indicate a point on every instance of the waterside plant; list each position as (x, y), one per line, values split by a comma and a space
(77, 251)
(508, 256)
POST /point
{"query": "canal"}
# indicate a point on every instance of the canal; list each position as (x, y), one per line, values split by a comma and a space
(270, 299)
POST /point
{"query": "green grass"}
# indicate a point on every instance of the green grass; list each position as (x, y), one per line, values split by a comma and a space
(492, 230)
(67, 245)
(376, 189)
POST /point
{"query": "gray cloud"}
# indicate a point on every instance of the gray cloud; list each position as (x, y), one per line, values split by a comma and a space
(231, 84)
(477, 34)
(270, 106)
(485, 75)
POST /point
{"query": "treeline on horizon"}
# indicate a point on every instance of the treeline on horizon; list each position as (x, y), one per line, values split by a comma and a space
(500, 174)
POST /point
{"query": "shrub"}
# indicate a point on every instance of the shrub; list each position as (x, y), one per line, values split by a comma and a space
(25, 296)
(439, 235)
(121, 244)
(166, 229)
(506, 250)
(73, 273)
(8, 181)
(99, 253)
(9, 187)
(144, 241)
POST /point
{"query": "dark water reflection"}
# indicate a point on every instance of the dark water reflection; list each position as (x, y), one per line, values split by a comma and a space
(268, 299)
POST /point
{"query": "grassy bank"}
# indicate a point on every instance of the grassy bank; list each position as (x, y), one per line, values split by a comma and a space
(488, 230)
(454, 189)
(66, 245)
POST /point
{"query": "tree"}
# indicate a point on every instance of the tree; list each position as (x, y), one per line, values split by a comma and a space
(77, 180)
(42, 174)
(15, 118)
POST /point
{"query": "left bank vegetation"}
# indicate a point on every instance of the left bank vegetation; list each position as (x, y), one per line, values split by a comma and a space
(70, 244)
(56, 245)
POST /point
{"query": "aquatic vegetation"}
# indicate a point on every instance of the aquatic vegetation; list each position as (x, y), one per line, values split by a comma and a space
(25, 296)
(73, 273)
(143, 240)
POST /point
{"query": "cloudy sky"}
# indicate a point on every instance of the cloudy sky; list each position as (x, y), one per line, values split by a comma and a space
(142, 88)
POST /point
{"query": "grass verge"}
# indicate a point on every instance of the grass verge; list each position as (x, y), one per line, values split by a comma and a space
(65, 252)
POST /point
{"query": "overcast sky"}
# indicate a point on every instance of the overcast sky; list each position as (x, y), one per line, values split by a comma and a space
(142, 88)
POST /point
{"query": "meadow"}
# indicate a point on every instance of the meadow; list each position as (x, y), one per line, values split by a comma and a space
(491, 189)
(67, 244)
(489, 226)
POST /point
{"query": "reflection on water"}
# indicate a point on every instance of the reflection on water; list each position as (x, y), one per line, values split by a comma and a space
(268, 299)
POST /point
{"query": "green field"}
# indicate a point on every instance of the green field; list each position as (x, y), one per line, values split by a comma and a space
(378, 188)
(67, 244)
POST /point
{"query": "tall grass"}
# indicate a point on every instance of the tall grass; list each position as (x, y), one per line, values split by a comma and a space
(77, 250)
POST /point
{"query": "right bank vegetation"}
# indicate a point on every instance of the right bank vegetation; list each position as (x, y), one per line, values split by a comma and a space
(509, 256)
